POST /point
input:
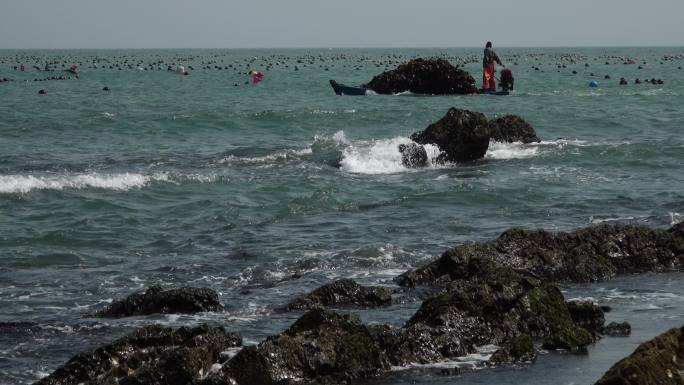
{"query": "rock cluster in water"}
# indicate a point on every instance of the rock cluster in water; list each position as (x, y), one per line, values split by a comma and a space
(464, 136)
(500, 292)
(425, 76)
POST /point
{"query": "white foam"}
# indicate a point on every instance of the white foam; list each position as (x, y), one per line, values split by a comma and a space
(472, 361)
(675, 218)
(12, 184)
(498, 150)
(379, 156)
(602, 220)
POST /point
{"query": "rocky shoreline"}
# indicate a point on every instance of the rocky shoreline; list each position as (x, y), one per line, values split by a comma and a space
(503, 292)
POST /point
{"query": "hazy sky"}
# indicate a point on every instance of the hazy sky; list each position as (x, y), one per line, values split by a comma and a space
(339, 23)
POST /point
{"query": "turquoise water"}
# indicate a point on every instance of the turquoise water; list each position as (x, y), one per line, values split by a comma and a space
(265, 192)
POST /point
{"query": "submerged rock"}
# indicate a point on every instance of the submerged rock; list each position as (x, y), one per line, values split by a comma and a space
(344, 292)
(413, 155)
(512, 128)
(615, 329)
(591, 254)
(424, 76)
(150, 355)
(155, 300)
(658, 361)
(321, 347)
(461, 135)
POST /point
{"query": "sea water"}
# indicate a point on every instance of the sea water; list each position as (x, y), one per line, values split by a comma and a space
(266, 192)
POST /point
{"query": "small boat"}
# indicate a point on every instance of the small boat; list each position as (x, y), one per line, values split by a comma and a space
(341, 89)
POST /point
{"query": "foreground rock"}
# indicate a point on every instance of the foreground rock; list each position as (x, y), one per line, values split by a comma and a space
(425, 76)
(322, 347)
(461, 135)
(344, 292)
(155, 300)
(512, 128)
(659, 361)
(151, 355)
(591, 254)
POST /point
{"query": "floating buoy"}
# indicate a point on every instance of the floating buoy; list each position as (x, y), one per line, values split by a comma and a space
(42, 92)
(593, 84)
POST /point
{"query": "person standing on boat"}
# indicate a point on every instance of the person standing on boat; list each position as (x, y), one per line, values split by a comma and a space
(490, 57)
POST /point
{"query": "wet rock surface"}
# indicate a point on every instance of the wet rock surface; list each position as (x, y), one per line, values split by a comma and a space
(461, 135)
(500, 292)
(321, 347)
(344, 292)
(512, 128)
(658, 361)
(591, 254)
(150, 355)
(413, 155)
(425, 76)
(155, 300)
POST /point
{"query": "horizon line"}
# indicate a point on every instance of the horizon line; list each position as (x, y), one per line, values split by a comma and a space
(345, 47)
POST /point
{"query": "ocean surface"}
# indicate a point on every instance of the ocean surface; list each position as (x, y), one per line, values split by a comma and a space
(266, 192)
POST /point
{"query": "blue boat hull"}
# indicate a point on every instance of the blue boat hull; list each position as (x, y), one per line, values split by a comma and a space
(341, 89)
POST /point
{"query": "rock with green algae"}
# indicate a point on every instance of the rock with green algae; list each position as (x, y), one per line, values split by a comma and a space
(504, 303)
(321, 347)
(150, 355)
(343, 292)
(591, 254)
(659, 361)
(517, 349)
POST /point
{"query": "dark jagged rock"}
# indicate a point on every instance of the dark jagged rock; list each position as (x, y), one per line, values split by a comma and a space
(587, 315)
(425, 76)
(517, 349)
(461, 135)
(155, 300)
(496, 304)
(659, 361)
(344, 292)
(150, 355)
(420, 343)
(615, 329)
(586, 255)
(321, 347)
(512, 128)
(413, 155)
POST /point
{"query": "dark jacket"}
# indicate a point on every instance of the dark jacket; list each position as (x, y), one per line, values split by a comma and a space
(490, 57)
